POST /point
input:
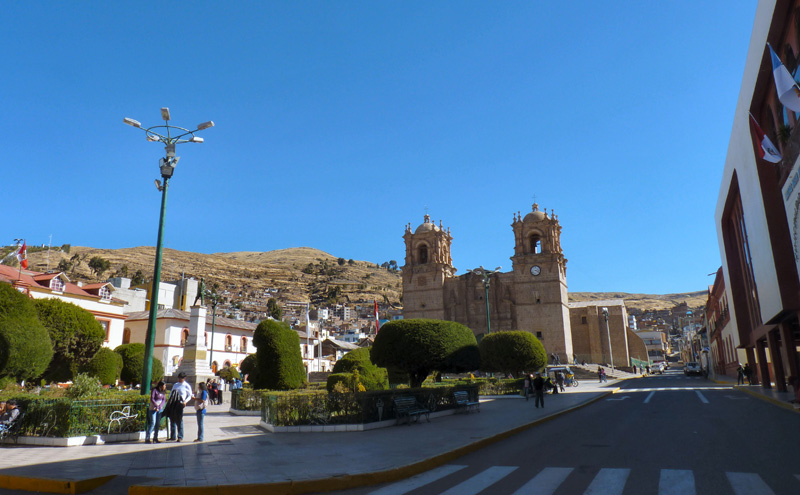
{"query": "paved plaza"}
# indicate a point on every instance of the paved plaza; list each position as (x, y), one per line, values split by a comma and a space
(238, 452)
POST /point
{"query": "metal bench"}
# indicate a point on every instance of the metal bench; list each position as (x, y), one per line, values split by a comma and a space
(407, 406)
(461, 398)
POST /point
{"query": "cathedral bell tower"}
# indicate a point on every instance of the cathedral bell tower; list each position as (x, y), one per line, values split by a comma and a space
(427, 265)
(540, 280)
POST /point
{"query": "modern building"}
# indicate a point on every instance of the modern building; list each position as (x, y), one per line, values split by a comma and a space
(758, 213)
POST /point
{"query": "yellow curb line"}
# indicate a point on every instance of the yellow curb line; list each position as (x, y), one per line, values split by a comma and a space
(771, 400)
(52, 486)
(346, 482)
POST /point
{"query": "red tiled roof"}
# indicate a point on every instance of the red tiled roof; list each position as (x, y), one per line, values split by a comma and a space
(40, 280)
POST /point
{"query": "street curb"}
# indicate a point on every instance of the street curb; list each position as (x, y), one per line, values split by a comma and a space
(346, 482)
(52, 486)
(771, 400)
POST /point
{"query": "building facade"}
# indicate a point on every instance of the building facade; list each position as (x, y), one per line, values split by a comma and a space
(757, 214)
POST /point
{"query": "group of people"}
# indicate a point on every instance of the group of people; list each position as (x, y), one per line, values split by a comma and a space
(538, 385)
(172, 407)
(9, 412)
(214, 391)
(601, 374)
(743, 372)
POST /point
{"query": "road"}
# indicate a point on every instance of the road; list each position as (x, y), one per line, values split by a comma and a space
(664, 434)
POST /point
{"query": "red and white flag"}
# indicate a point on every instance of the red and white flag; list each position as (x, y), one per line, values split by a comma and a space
(377, 320)
(768, 151)
(22, 255)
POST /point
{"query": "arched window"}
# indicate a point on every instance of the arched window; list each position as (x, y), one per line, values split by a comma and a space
(536, 243)
(214, 366)
(227, 364)
(126, 336)
(244, 344)
(423, 254)
(184, 336)
(228, 343)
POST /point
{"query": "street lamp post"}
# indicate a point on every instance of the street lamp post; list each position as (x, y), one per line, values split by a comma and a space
(608, 333)
(167, 166)
(486, 279)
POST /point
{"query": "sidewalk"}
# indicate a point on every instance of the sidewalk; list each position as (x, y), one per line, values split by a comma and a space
(771, 395)
(238, 452)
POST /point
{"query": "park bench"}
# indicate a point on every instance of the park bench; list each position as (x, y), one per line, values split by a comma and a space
(407, 406)
(463, 403)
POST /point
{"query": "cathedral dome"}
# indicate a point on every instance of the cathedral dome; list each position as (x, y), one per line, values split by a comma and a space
(427, 226)
(535, 215)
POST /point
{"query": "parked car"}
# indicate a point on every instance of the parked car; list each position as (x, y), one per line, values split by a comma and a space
(692, 369)
(657, 368)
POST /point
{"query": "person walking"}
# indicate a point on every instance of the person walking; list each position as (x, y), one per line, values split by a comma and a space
(216, 392)
(740, 375)
(560, 380)
(538, 390)
(748, 373)
(600, 373)
(183, 393)
(157, 403)
(200, 403)
(526, 386)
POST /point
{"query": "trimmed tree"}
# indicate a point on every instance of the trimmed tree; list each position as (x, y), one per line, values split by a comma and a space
(420, 346)
(512, 352)
(133, 364)
(371, 376)
(25, 346)
(76, 336)
(280, 366)
(106, 366)
(229, 373)
(249, 367)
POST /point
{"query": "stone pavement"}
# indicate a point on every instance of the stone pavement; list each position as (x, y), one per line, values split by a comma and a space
(238, 452)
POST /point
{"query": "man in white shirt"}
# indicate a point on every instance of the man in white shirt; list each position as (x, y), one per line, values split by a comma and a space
(183, 392)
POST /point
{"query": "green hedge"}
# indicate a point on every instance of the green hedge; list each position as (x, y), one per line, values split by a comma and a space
(106, 366)
(320, 408)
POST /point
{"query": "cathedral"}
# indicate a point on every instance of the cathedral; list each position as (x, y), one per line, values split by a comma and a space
(532, 297)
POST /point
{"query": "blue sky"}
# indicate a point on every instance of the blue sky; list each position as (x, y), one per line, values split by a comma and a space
(337, 123)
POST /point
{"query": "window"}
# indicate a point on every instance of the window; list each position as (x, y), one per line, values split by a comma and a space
(244, 344)
(184, 336)
(105, 324)
(539, 335)
(583, 320)
(57, 285)
(227, 364)
(423, 254)
(214, 367)
(105, 293)
(536, 244)
(126, 336)
(228, 343)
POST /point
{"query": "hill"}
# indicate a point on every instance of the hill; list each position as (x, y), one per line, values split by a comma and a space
(298, 274)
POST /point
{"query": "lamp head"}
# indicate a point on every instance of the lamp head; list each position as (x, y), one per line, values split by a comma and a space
(205, 125)
(131, 122)
(196, 139)
(165, 113)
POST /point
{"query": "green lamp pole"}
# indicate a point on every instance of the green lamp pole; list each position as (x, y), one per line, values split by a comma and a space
(167, 166)
(486, 276)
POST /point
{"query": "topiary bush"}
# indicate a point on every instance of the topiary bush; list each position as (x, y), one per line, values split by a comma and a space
(106, 366)
(249, 366)
(76, 336)
(334, 378)
(84, 387)
(370, 376)
(133, 364)
(229, 373)
(512, 352)
(280, 366)
(421, 346)
(25, 345)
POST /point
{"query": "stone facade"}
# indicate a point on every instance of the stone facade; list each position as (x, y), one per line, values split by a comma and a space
(532, 297)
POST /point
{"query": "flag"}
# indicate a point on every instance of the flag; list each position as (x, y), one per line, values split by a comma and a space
(22, 256)
(788, 92)
(768, 150)
(377, 320)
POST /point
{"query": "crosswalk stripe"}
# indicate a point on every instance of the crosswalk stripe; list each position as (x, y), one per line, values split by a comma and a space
(748, 484)
(544, 483)
(608, 482)
(676, 482)
(422, 479)
(481, 481)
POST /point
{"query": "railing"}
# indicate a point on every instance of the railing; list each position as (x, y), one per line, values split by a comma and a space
(66, 418)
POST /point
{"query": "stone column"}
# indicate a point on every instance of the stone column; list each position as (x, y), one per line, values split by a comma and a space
(751, 360)
(777, 361)
(195, 355)
(789, 350)
(763, 366)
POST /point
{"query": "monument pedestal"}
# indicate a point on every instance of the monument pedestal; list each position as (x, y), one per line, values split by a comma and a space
(195, 355)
